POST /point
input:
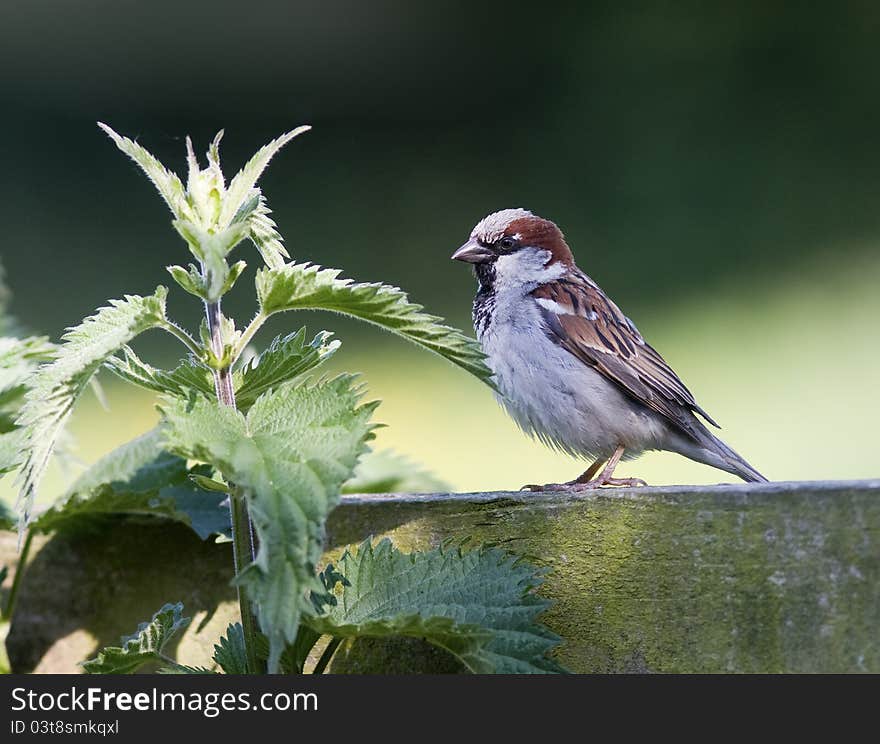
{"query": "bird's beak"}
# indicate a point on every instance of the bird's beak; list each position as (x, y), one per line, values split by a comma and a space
(472, 252)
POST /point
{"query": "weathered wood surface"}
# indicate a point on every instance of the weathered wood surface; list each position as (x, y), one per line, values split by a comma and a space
(746, 578)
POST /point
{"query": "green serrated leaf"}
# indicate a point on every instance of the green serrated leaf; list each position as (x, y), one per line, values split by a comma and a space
(19, 360)
(285, 359)
(139, 478)
(211, 249)
(265, 235)
(478, 605)
(188, 375)
(190, 280)
(144, 646)
(309, 287)
(58, 384)
(12, 450)
(229, 652)
(247, 208)
(213, 157)
(19, 357)
(386, 471)
(205, 188)
(289, 455)
(166, 182)
(241, 187)
(235, 271)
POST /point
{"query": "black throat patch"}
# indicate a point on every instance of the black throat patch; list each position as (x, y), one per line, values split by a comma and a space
(484, 302)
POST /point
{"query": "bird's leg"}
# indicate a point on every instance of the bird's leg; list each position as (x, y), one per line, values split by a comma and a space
(605, 478)
(588, 474)
(608, 470)
(584, 477)
(589, 481)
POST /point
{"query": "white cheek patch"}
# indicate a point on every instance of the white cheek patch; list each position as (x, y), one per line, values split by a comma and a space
(550, 273)
(526, 267)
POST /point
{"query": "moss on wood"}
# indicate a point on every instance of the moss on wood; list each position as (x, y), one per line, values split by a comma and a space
(770, 578)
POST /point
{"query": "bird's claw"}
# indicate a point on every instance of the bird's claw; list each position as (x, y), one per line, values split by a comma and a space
(591, 485)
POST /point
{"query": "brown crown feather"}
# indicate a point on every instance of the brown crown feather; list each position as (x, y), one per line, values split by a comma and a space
(540, 233)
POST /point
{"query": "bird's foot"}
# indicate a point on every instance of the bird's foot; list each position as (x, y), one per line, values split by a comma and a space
(535, 488)
(590, 485)
(631, 482)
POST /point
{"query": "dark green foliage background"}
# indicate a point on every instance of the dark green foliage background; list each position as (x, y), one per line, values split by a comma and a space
(693, 141)
(716, 168)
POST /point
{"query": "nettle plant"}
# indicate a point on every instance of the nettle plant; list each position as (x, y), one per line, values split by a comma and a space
(262, 439)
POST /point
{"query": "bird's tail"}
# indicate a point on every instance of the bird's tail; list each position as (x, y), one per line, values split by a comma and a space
(729, 460)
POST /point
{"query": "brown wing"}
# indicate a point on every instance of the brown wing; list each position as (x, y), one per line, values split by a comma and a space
(592, 327)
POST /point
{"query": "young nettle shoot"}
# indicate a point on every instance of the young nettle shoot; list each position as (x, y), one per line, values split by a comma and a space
(265, 444)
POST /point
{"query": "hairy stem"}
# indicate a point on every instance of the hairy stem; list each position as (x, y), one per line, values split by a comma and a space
(19, 573)
(242, 531)
(184, 338)
(243, 555)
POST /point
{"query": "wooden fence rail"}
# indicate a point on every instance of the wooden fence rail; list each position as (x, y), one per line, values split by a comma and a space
(780, 577)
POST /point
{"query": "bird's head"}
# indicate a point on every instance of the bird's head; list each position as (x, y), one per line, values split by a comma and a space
(514, 246)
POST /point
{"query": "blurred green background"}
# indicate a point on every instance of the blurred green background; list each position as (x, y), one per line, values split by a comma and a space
(716, 170)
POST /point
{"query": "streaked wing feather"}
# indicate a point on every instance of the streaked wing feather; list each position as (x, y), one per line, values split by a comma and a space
(592, 328)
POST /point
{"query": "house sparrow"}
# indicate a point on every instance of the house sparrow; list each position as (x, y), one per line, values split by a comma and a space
(570, 367)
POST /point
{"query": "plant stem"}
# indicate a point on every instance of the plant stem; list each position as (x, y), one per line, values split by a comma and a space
(184, 338)
(326, 656)
(242, 531)
(243, 555)
(19, 572)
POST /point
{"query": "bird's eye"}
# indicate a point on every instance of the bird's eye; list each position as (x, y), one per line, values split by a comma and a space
(506, 243)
